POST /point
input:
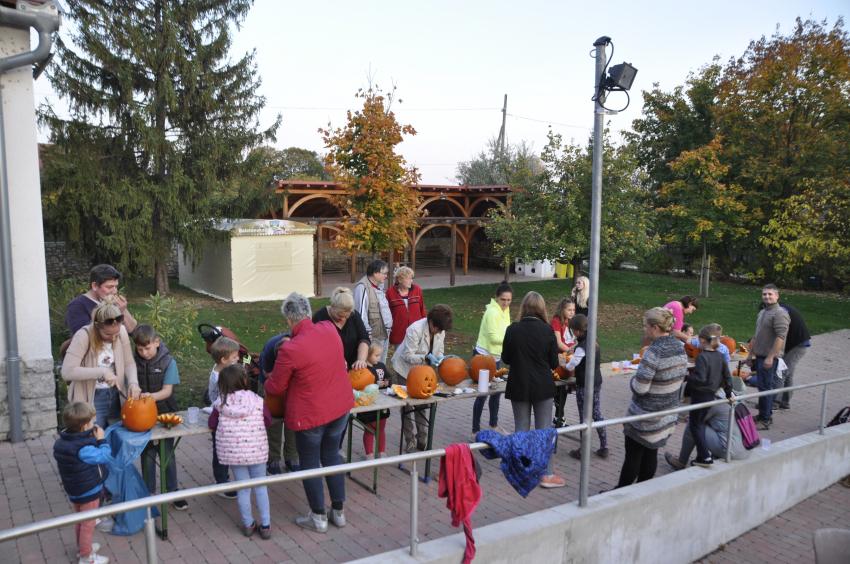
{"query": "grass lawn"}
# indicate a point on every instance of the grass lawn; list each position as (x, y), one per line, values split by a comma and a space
(624, 296)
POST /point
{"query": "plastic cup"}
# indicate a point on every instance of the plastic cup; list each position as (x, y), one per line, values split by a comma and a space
(626, 364)
(615, 366)
(765, 444)
(635, 356)
(193, 415)
(483, 381)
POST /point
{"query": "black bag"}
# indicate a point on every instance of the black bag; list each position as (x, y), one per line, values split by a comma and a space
(841, 417)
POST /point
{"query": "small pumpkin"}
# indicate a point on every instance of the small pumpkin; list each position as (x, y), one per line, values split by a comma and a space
(400, 392)
(561, 373)
(729, 342)
(139, 415)
(276, 404)
(743, 348)
(170, 420)
(421, 382)
(482, 362)
(692, 351)
(453, 371)
(501, 372)
(361, 378)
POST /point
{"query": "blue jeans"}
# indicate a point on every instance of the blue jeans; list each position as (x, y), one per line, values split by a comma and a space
(170, 469)
(107, 406)
(261, 493)
(696, 424)
(765, 379)
(320, 445)
(478, 408)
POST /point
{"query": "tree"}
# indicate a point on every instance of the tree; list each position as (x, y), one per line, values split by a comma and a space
(548, 214)
(162, 121)
(381, 203)
(291, 164)
(699, 206)
(492, 166)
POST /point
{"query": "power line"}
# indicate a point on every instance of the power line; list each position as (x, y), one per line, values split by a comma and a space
(550, 122)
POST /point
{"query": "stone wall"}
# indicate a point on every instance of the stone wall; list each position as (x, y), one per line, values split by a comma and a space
(61, 264)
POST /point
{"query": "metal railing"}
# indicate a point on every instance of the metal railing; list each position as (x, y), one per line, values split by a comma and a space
(148, 502)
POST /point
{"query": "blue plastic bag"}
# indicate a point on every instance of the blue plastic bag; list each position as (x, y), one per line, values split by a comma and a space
(124, 481)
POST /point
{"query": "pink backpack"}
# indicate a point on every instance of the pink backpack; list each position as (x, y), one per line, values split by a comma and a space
(749, 434)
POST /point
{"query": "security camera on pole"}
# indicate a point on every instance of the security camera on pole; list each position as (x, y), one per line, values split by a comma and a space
(619, 80)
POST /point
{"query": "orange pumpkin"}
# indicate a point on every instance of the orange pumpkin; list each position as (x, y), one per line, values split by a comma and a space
(421, 382)
(501, 372)
(361, 378)
(482, 362)
(139, 415)
(276, 403)
(399, 391)
(453, 371)
(730, 343)
(692, 351)
(743, 348)
(170, 419)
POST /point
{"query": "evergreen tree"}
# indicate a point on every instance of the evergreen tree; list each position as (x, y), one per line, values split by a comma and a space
(157, 149)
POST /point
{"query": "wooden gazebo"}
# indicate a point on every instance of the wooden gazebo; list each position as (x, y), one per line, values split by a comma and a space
(461, 208)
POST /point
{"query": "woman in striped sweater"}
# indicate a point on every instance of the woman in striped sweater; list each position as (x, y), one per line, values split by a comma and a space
(655, 387)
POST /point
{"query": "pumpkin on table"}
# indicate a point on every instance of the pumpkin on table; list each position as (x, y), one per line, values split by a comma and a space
(421, 382)
(139, 415)
(561, 373)
(640, 356)
(692, 351)
(453, 371)
(361, 378)
(730, 343)
(482, 362)
(276, 404)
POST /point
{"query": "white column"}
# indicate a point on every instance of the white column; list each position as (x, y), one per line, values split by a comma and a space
(37, 388)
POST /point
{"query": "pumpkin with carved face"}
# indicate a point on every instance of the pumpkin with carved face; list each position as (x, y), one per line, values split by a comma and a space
(361, 378)
(421, 382)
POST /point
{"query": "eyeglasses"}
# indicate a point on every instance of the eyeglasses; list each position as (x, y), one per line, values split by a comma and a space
(112, 321)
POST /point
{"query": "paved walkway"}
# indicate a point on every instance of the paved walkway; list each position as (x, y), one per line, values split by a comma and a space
(210, 530)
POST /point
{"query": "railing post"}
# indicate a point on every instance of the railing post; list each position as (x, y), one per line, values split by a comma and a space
(823, 411)
(414, 511)
(729, 433)
(150, 538)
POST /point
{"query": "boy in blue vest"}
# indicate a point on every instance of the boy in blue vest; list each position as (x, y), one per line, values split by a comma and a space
(158, 374)
(80, 451)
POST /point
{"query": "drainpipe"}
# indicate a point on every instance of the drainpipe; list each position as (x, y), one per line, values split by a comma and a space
(45, 19)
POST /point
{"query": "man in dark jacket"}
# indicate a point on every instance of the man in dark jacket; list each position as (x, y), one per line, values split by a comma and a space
(796, 344)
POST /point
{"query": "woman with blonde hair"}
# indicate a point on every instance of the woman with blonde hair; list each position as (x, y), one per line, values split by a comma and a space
(99, 363)
(531, 350)
(655, 387)
(349, 325)
(581, 294)
(407, 304)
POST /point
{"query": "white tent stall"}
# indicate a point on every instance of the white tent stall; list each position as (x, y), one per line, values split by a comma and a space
(265, 259)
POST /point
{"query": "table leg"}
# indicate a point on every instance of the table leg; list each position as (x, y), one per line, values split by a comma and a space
(375, 450)
(163, 463)
(431, 424)
(351, 419)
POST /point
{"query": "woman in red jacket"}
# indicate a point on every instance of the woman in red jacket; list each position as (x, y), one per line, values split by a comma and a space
(407, 305)
(311, 371)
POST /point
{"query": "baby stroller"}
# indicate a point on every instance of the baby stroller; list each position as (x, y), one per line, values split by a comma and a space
(251, 361)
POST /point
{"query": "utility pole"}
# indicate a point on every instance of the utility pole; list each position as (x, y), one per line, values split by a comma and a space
(502, 132)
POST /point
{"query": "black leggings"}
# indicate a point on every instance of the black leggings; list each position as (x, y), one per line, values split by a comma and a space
(641, 463)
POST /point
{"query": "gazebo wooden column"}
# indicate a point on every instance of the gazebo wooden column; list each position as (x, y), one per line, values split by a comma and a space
(319, 260)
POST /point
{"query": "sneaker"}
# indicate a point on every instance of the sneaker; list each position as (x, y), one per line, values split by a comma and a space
(94, 558)
(180, 505)
(337, 518)
(499, 430)
(781, 407)
(674, 461)
(292, 465)
(474, 437)
(370, 456)
(763, 425)
(273, 468)
(342, 456)
(576, 454)
(383, 455)
(266, 531)
(313, 522)
(249, 530)
(411, 447)
(104, 524)
(603, 452)
(95, 546)
(421, 446)
(554, 482)
(704, 462)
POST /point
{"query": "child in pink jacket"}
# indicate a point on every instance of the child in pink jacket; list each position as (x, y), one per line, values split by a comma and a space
(239, 419)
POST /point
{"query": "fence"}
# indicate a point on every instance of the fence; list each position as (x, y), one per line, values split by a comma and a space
(148, 502)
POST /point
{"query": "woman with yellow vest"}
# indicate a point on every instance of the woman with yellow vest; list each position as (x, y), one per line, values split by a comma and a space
(497, 317)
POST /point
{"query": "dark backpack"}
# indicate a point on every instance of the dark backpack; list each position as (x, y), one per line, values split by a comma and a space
(841, 417)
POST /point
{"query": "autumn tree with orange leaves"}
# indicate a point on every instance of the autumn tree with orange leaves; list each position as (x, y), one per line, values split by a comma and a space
(381, 203)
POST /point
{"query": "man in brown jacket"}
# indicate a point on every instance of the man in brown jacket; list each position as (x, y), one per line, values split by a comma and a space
(771, 330)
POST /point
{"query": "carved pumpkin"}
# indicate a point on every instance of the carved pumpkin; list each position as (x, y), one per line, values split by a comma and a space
(743, 348)
(361, 378)
(400, 392)
(729, 342)
(482, 362)
(562, 373)
(170, 420)
(692, 351)
(139, 415)
(501, 372)
(276, 404)
(453, 371)
(421, 382)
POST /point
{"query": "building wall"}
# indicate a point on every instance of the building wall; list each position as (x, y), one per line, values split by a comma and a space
(61, 264)
(30, 275)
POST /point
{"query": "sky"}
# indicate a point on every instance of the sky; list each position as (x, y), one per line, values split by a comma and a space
(453, 63)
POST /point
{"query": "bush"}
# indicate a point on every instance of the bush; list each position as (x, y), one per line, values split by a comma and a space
(656, 262)
(174, 321)
(59, 293)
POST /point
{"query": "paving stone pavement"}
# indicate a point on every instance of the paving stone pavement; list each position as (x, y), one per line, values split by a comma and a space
(210, 530)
